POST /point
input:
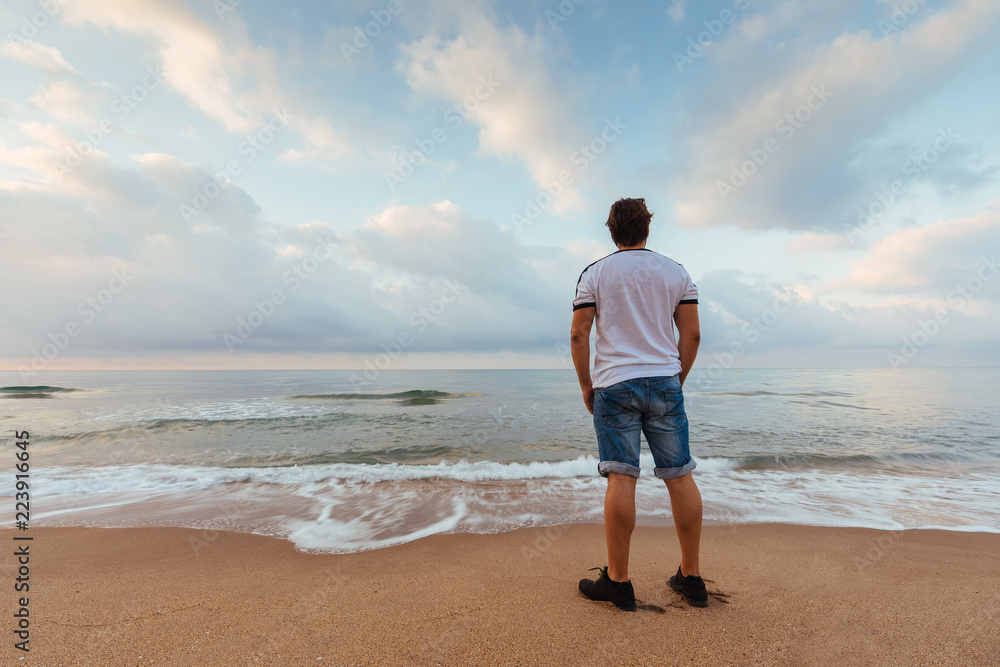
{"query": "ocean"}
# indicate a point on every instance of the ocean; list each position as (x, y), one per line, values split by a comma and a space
(338, 465)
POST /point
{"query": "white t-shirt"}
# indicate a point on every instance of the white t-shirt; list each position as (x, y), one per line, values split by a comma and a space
(635, 292)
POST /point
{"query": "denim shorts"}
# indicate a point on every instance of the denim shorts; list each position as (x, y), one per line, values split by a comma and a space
(654, 406)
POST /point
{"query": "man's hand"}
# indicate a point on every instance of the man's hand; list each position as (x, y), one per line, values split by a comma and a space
(588, 399)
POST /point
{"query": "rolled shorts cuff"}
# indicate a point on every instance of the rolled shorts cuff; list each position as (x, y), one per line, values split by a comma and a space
(673, 473)
(605, 467)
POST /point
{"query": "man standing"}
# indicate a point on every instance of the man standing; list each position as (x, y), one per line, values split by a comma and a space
(636, 296)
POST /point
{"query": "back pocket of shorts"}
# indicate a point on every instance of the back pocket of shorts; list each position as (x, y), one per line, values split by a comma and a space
(616, 409)
(672, 416)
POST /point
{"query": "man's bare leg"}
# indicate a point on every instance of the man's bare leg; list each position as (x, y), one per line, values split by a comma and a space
(685, 504)
(619, 520)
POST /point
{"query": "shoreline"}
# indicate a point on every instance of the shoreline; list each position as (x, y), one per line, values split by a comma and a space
(785, 594)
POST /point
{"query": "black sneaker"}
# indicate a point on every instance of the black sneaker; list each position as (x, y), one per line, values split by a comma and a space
(620, 593)
(692, 588)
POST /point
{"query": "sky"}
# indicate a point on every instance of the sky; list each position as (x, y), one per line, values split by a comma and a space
(389, 184)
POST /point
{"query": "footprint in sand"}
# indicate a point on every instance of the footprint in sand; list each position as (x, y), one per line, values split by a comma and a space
(717, 594)
(679, 602)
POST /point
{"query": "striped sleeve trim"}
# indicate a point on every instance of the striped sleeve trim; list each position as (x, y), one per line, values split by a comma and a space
(584, 305)
(694, 301)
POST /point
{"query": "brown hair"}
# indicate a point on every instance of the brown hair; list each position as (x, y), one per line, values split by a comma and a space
(629, 222)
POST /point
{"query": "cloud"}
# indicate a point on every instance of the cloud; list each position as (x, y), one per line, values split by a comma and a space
(448, 281)
(194, 59)
(749, 320)
(763, 316)
(502, 78)
(509, 284)
(929, 260)
(324, 145)
(815, 242)
(44, 146)
(63, 102)
(191, 282)
(397, 272)
(780, 145)
(35, 54)
(957, 170)
(676, 10)
(354, 277)
(229, 79)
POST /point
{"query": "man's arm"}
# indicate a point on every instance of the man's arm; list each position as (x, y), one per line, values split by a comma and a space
(579, 345)
(688, 335)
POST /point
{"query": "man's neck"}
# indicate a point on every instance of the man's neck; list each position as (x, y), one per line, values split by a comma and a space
(638, 246)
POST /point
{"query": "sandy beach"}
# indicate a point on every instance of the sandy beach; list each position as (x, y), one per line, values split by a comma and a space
(782, 595)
